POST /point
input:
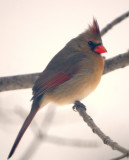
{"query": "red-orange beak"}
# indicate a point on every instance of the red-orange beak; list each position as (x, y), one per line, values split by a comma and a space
(100, 49)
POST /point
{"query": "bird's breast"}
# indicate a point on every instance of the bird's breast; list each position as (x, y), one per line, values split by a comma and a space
(80, 85)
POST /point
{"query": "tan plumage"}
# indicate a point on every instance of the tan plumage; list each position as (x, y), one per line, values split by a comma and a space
(81, 85)
(71, 75)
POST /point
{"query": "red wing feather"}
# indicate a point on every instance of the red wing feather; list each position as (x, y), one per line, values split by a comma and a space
(56, 80)
(42, 86)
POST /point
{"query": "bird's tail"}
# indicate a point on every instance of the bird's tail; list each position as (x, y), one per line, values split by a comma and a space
(23, 129)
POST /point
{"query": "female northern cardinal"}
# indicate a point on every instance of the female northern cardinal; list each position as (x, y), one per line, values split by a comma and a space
(71, 75)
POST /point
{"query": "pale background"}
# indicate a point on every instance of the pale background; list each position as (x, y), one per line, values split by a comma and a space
(31, 33)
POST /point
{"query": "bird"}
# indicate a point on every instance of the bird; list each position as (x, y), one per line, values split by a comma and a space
(72, 74)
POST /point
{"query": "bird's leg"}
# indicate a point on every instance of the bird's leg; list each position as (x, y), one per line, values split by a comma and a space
(77, 105)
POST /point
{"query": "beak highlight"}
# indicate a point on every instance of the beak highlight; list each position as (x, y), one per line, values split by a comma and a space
(100, 49)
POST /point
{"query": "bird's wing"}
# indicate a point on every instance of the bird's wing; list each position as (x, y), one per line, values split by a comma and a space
(56, 73)
(49, 79)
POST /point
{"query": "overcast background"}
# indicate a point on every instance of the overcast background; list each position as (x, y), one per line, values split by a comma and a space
(31, 33)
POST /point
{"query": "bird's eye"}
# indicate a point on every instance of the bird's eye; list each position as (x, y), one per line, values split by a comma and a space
(90, 43)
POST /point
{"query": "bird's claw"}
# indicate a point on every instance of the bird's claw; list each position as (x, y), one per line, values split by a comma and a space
(78, 104)
(74, 108)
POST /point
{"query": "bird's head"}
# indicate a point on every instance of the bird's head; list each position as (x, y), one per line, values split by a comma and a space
(90, 40)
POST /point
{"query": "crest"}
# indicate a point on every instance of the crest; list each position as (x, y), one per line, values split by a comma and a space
(94, 28)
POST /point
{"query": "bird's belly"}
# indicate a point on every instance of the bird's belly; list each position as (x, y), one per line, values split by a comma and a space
(75, 89)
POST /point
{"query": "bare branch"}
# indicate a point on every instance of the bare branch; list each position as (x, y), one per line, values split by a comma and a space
(107, 140)
(27, 80)
(17, 82)
(114, 22)
(120, 61)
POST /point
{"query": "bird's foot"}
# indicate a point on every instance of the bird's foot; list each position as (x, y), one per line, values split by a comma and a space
(77, 105)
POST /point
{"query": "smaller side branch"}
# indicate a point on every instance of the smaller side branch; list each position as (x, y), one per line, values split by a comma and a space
(120, 157)
(74, 142)
(107, 140)
(114, 22)
(120, 61)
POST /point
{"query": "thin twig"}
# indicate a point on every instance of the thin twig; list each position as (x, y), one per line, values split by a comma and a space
(120, 157)
(107, 140)
(114, 22)
(71, 142)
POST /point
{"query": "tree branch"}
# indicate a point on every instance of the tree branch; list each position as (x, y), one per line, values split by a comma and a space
(27, 80)
(114, 22)
(107, 140)
(17, 82)
(117, 62)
